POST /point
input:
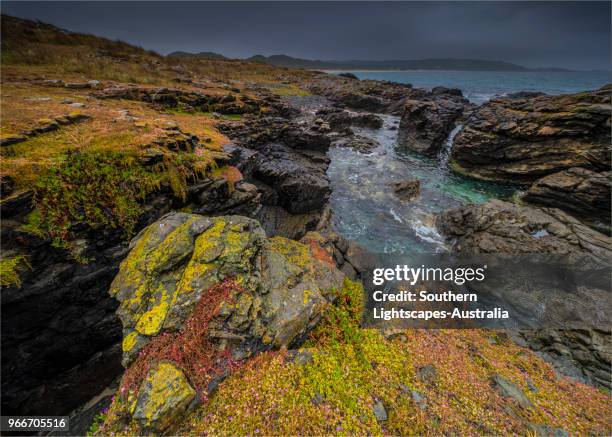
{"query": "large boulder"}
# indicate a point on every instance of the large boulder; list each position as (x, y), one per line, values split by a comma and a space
(288, 178)
(578, 191)
(523, 139)
(173, 262)
(426, 124)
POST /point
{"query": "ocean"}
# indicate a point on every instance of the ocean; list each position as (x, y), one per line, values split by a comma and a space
(480, 86)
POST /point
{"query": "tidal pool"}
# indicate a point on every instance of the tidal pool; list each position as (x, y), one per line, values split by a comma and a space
(367, 210)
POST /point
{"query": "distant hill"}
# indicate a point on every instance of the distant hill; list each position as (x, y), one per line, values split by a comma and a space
(420, 64)
(289, 62)
(201, 55)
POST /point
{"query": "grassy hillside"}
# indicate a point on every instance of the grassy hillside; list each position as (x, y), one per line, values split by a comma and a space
(51, 79)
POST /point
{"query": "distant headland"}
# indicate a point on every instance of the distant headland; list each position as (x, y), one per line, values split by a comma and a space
(383, 65)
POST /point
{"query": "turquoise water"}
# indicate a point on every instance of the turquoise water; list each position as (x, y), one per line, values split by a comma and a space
(480, 86)
(367, 210)
(365, 207)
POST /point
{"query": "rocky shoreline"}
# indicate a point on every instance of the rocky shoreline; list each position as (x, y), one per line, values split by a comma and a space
(253, 233)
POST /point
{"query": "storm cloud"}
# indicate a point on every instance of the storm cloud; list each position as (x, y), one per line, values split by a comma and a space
(535, 34)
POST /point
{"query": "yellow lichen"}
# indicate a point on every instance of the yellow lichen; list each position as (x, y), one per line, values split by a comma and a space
(294, 251)
(167, 395)
(129, 341)
(9, 270)
(151, 322)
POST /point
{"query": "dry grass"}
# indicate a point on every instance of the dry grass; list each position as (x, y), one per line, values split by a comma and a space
(32, 52)
(23, 105)
(35, 49)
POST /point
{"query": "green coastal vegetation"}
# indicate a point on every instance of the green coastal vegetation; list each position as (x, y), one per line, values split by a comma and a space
(221, 328)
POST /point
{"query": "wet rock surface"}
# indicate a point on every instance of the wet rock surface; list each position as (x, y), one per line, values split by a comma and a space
(521, 139)
(578, 191)
(407, 190)
(504, 229)
(426, 124)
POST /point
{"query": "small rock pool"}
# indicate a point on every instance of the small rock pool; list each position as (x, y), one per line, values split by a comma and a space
(366, 209)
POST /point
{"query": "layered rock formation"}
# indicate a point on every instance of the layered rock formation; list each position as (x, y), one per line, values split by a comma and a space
(184, 100)
(524, 138)
(365, 95)
(581, 192)
(285, 158)
(504, 229)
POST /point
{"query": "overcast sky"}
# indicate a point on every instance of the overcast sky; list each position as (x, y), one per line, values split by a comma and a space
(535, 34)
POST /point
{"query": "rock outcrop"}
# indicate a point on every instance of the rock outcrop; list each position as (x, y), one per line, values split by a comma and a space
(365, 95)
(426, 124)
(522, 139)
(184, 100)
(581, 192)
(174, 261)
(339, 118)
(287, 178)
(282, 289)
(61, 319)
(285, 158)
(506, 229)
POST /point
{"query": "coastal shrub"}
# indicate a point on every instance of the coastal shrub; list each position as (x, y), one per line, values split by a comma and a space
(9, 270)
(351, 369)
(105, 190)
(190, 348)
(96, 424)
(340, 324)
(333, 393)
(99, 189)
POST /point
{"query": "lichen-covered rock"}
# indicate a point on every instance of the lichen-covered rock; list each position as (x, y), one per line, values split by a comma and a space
(164, 396)
(523, 139)
(508, 389)
(174, 261)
